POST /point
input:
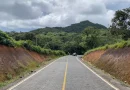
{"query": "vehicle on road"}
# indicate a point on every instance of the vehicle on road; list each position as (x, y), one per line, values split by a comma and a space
(74, 54)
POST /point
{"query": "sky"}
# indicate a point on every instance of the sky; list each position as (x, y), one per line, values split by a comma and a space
(26, 15)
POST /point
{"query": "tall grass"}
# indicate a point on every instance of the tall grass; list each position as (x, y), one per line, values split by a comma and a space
(118, 45)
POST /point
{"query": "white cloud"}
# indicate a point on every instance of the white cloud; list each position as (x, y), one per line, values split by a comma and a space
(28, 14)
(114, 1)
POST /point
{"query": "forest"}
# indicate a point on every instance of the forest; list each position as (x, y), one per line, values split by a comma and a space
(79, 37)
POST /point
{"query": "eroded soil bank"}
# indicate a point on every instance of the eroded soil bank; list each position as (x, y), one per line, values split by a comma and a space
(13, 61)
(114, 61)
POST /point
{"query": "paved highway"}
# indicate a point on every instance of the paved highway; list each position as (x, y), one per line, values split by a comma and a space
(66, 73)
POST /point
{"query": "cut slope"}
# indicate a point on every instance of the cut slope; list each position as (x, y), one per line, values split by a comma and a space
(14, 61)
(114, 61)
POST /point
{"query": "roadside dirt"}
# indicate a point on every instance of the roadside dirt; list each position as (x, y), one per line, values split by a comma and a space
(114, 61)
(93, 57)
(13, 61)
(116, 82)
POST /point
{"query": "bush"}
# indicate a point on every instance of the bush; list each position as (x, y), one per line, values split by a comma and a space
(28, 44)
(6, 40)
(19, 43)
(9, 76)
(36, 48)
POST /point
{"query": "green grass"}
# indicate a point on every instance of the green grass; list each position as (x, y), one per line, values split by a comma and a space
(118, 45)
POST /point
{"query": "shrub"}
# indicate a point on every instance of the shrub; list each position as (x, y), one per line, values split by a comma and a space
(9, 76)
(27, 44)
(36, 48)
(6, 40)
(19, 43)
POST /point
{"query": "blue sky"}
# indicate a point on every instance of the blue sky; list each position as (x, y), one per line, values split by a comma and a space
(26, 15)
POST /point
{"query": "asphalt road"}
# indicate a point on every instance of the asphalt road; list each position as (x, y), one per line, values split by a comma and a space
(66, 73)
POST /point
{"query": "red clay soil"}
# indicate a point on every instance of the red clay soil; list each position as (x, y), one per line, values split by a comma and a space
(14, 60)
(114, 61)
(93, 56)
(36, 56)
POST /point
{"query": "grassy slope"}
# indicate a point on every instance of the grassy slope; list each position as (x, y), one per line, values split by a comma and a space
(114, 59)
(118, 45)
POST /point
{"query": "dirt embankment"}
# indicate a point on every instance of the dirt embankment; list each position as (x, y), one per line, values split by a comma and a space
(114, 61)
(13, 61)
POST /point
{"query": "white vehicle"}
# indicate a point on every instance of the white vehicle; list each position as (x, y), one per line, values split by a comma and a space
(74, 54)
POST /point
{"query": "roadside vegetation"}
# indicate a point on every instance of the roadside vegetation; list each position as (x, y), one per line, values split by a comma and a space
(118, 45)
(27, 44)
(120, 28)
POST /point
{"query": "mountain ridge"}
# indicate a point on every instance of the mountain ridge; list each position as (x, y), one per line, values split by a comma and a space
(77, 27)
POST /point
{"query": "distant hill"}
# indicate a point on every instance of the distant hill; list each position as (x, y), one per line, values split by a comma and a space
(78, 27)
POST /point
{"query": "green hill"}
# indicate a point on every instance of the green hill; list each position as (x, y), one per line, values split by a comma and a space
(78, 27)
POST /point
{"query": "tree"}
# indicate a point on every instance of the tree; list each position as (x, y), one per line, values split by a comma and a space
(121, 23)
(90, 31)
(121, 19)
(29, 36)
(90, 38)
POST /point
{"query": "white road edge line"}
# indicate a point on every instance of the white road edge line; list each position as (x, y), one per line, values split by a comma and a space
(31, 75)
(98, 75)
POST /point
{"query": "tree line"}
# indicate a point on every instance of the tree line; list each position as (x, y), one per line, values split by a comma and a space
(78, 40)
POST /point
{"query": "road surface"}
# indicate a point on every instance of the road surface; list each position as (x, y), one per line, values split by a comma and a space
(66, 73)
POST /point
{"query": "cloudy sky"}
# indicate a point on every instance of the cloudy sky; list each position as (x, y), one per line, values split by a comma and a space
(25, 15)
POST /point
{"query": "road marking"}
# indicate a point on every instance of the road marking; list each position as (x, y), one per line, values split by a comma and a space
(115, 88)
(11, 88)
(65, 74)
